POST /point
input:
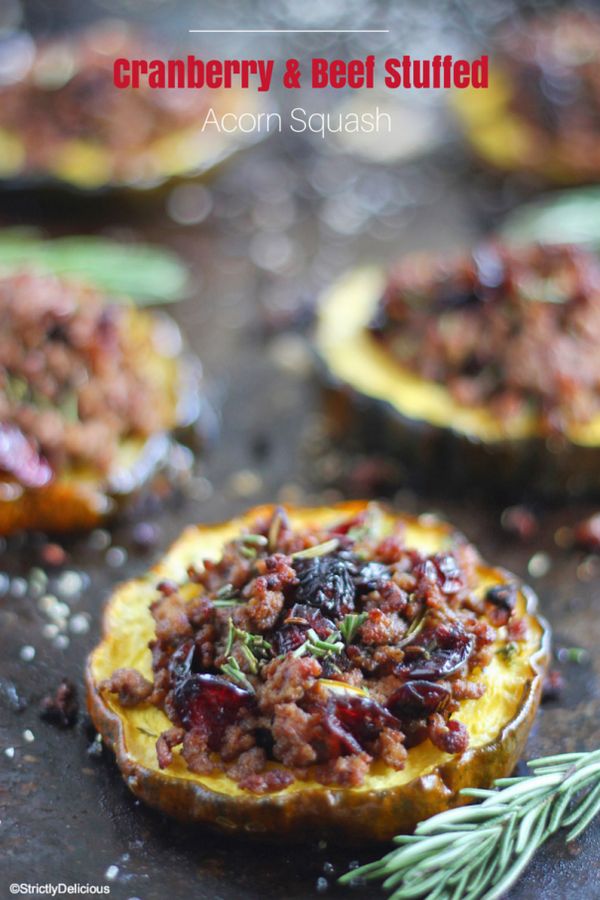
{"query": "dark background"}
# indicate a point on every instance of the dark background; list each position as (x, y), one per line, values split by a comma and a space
(262, 237)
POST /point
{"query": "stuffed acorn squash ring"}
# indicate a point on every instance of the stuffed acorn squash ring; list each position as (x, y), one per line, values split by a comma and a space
(90, 395)
(63, 120)
(540, 111)
(337, 671)
(479, 371)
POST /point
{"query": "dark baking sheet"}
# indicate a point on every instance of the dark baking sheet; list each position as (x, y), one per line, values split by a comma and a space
(274, 227)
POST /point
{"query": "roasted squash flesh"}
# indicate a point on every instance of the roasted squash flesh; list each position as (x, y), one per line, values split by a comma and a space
(389, 800)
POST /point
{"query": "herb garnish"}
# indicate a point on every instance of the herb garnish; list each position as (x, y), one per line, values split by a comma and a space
(314, 646)
(350, 625)
(232, 669)
(507, 651)
(480, 851)
(255, 642)
(226, 596)
(317, 550)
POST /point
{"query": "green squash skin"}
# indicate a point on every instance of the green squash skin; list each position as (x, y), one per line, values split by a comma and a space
(447, 461)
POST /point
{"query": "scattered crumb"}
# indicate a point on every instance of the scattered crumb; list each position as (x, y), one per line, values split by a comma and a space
(53, 555)
(553, 686)
(62, 707)
(539, 565)
(586, 534)
(27, 653)
(520, 521)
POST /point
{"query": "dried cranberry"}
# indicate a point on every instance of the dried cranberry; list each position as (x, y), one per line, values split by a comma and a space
(356, 721)
(19, 458)
(209, 704)
(503, 596)
(326, 583)
(451, 579)
(289, 638)
(437, 652)
(62, 707)
(418, 699)
(311, 618)
(293, 632)
(370, 576)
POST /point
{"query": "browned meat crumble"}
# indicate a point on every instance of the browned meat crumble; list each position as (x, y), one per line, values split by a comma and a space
(320, 649)
(72, 384)
(517, 330)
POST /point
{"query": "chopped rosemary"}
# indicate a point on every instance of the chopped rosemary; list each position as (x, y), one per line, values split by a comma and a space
(317, 550)
(147, 732)
(413, 629)
(248, 552)
(507, 651)
(317, 647)
(480, 851)
(350, 625)
(250, 658)
(232, 669)
(255, 642)
(275, 528)
(258, 540)
(370, 526)
(226, 596)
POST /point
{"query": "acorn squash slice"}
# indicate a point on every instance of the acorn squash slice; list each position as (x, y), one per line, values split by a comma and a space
(90, 135)
(444, 443)
(80, 498)
(520, 124)
(389, 800)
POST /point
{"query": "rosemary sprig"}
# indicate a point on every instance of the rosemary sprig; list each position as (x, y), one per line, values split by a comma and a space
(331, 646)
(256, 643)
(226, 596)
(350, 624)
(277, 524)
(232, 669)
(317, 550)
(480, 851)
(148, 273)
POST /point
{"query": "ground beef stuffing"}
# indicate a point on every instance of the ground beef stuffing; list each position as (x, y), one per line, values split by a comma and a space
(516, 330)
(74, 379)
(321, 649)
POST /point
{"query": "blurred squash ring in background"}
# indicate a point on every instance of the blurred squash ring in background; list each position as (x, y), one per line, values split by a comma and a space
(445, 443)
(78, 494)
(539, 113)
(139, 139)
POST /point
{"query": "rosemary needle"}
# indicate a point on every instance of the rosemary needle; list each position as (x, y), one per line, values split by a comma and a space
(478, 852)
